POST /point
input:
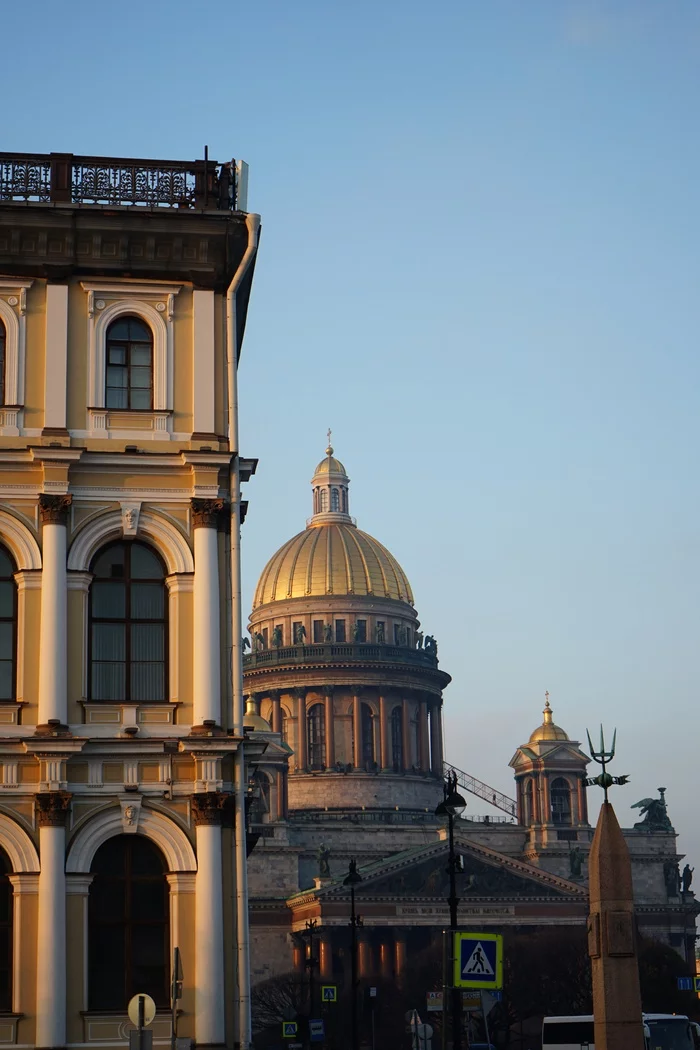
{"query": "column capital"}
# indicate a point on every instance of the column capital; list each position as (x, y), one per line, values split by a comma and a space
(206, 513)
(54, 509)
(300, 692)
(328, 691)
(273, 694)
(207, 807)
(52, 808)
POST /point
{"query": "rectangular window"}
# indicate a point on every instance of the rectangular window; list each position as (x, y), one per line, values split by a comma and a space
(361, 630)
(265, 637)
(340, 630)
(318, 631)
(397, 635)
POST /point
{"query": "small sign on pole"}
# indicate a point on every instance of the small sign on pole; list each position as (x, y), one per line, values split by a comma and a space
(478, 960)
(289, 1029)
(317, 1030)
(329, 993)
(685, 984)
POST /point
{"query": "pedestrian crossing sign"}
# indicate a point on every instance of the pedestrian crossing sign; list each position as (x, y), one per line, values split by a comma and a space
(289, 1029)
(329, 993)
(478, 960)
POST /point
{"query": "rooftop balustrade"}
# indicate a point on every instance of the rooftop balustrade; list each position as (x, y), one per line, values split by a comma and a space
(359, 652)
(66, 178)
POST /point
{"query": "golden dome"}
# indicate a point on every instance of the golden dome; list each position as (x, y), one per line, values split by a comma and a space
(252, 719)
(333, 558)
(548, 730)
(330, 465)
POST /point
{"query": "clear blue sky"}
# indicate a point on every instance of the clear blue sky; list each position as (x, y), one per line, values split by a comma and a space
(479, 266)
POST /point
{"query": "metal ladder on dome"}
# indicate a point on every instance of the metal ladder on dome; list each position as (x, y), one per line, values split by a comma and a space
(481, 790)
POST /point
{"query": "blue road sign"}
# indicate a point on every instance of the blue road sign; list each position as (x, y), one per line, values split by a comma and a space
(317, 1030)
(685, 984)
(697, 984)
(329, 993)
(478, 960)
(289, 1029)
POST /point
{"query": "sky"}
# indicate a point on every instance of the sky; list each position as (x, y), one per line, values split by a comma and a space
(479, 267)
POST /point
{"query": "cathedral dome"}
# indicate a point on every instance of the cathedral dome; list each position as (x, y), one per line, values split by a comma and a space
(548, 730)
(331, 556)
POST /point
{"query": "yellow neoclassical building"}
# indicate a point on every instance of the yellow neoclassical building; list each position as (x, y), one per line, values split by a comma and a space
(124, 287)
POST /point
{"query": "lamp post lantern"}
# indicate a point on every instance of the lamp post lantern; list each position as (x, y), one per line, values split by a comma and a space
(351, 879)
(452, 807)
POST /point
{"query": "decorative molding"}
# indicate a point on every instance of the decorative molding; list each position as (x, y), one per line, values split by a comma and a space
(130, 518)
(18, 846)
(21, 542)
(166, 538)
(142, 300)
(54, 510)
(52, 808)
(162, 830)
(131, 811)
(207, 513)
(207, 807)
(13, 309)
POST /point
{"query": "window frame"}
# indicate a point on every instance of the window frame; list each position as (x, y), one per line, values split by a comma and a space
(127, 621)
(129, 345)
(14, 620)
(127, 924)
(397, 756)
(316, 736)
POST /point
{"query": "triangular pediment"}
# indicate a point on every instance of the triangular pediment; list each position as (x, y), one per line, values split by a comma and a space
(423, 873)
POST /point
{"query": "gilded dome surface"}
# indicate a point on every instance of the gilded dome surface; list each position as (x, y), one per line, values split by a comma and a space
(335, 558)
(330, 465)
(548, 730)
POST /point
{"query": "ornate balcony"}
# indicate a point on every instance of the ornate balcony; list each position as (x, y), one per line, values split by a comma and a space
(354, 653)
(65, 178)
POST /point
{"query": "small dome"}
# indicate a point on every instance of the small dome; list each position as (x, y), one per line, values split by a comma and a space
(252, 719)
(335, 558)
(330, 465)
(548, 730)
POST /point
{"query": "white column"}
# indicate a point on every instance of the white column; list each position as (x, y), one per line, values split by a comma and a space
(53, 689)
(51, 931)
(207, 654)
(209, 924)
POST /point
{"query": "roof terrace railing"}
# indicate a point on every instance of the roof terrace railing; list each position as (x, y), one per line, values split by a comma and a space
(65, 178)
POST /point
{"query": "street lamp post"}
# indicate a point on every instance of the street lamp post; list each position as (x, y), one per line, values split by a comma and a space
(451, 807)
(310, 961)
(351, 879)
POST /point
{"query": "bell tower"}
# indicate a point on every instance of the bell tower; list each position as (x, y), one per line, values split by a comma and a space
(550, 774)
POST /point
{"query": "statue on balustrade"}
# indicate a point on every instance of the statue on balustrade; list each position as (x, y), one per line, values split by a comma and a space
(327, 632)
(379, 633)
(259, 641)
(419, 639)
(245, 644)
(324, 861)
(299, 634)
(277, 637)
(654, 813)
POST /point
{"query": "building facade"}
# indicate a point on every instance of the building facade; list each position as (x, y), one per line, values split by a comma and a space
(124, 288)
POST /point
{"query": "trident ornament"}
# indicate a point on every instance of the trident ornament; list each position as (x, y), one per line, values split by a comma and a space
(602, 757)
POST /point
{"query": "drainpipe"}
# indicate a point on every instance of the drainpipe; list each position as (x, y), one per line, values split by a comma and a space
(244, 1033)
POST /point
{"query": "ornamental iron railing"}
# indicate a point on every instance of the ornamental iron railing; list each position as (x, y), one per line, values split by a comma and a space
(330, 653)
(65, 178)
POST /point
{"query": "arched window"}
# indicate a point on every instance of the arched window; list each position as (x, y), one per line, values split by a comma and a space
(529, 802)
(344, 493)
(128, 639)
(323, 504)
(316, 736)
(561, 801)
(397, 739)
(3, 347)
(259, 809)
(6, 911)
(128, 929)
(129, 349)
(8, 626)
(367, 736)
(335, 499)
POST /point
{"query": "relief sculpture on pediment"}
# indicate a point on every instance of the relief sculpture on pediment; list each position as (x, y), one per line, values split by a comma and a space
(476, 879)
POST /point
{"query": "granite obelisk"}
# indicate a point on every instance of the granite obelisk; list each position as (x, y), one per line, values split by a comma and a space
(617, 1003)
